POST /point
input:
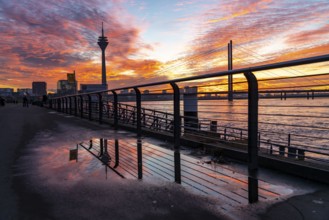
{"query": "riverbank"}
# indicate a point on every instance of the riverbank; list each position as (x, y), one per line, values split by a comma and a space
(35, 188)
(38, 181)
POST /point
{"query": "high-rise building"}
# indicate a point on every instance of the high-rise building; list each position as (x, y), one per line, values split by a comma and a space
(68, 86)
(39, 88)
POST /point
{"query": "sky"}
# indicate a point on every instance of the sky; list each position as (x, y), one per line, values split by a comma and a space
(153, 40)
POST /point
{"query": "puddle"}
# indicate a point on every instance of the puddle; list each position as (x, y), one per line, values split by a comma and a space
(221, 187)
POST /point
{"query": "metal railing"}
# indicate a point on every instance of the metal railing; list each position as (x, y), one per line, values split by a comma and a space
(106, 107)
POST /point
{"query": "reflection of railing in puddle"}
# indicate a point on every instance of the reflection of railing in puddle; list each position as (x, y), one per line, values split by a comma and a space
(101, 154)
(214, 180)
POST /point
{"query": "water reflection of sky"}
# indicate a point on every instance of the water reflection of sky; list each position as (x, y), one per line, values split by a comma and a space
(307, 121)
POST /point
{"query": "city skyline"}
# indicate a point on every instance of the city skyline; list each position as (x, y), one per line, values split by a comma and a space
(153, 40)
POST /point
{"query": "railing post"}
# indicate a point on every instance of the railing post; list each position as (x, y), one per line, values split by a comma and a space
(177, 132)
(89, 107)
(100, 108)
(66, 105)
(62, 105)
(252, 137)
(115, 109)
(57, 104)
(75, 106)
(230, 67)
(139, 132)
(81, 106)
(70, 102)
(139, 112)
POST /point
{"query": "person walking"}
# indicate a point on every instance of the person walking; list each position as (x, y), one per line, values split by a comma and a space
(25, 102)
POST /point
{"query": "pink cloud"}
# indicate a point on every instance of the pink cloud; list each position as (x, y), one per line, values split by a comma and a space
(41, 40)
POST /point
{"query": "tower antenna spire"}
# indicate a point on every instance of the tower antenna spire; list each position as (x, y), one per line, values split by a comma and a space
(102, 30)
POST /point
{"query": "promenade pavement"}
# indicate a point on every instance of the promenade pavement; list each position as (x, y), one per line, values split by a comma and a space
(37, 182)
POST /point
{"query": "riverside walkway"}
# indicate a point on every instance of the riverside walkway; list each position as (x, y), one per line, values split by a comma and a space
(38, 182)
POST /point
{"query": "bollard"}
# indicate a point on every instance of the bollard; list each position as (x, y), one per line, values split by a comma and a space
(292, 152)
(191, 108)
(213, 126)
(281, 150)
(301, 154)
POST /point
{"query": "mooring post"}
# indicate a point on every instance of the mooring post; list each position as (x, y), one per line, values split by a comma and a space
(116, 150)
(213, 126)
(177, 132)
(139, 132)
(89, 107)
(252, 137)
(191, 121)
(100, 108)
(81, 106)
(115, 109)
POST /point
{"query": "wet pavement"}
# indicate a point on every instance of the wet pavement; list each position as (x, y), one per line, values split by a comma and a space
(44, 184)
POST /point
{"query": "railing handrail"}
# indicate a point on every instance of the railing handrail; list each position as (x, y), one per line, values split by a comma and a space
(290, 63)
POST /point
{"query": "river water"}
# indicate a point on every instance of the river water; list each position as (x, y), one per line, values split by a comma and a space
(306, 121)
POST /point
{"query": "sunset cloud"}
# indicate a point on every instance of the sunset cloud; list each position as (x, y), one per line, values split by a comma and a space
(43, 40)
(262, 31)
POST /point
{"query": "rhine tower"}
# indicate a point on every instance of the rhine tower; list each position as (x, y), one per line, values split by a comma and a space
(102, 43)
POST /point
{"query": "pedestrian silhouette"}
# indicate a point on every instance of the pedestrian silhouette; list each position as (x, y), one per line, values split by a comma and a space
(25, 102)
